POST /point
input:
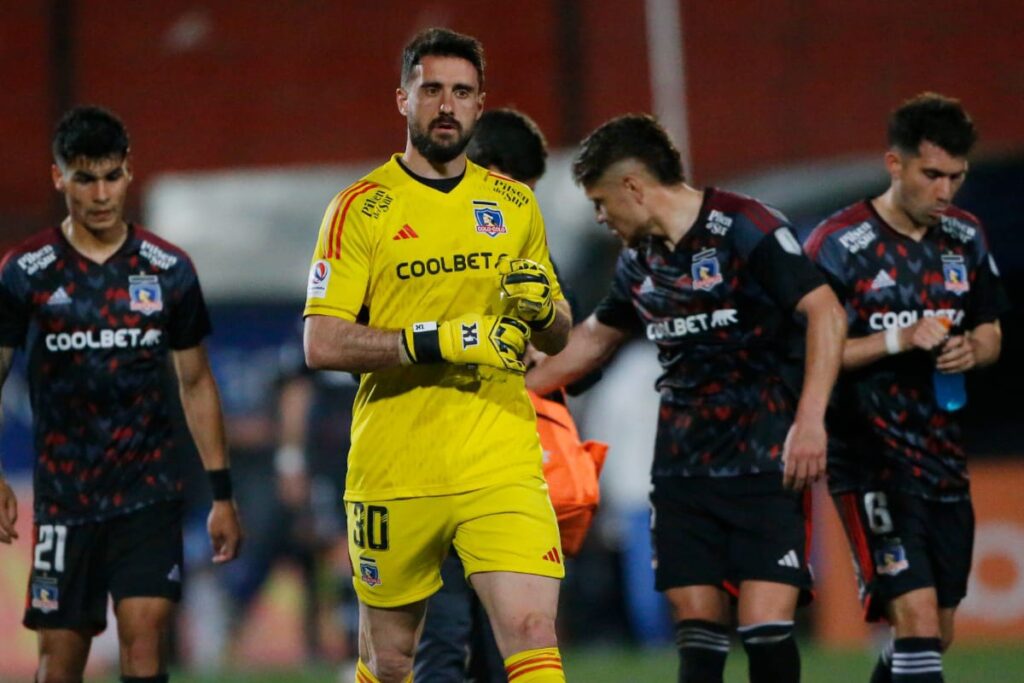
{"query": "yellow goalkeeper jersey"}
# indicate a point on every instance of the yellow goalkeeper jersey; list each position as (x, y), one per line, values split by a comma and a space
(402, 252)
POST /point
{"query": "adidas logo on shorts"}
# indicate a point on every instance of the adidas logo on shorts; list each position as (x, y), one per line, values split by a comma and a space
(789, 560)
(552, 556)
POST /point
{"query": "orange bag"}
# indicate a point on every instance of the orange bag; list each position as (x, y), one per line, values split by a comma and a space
(571, 469)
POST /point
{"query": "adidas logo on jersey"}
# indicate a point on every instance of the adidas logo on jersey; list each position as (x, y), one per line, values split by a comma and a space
(789, 560)
(174, 574)
(552, 556)
(58, 298)
(406, 233)
(882, 280)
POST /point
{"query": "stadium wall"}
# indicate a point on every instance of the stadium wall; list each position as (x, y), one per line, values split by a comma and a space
(207, 85)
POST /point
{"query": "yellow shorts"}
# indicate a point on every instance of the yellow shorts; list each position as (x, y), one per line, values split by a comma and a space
(397, 546)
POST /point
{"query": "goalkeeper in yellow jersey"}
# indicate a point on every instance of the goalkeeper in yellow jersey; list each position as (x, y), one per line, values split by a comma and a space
(429, 277)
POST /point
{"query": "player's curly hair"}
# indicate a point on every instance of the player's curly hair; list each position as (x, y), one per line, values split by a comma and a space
(938, 119)
(510, 141)
(90, 132)
(442, 42)
(632, 136)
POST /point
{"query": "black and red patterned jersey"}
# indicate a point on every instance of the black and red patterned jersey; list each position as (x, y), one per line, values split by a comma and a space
(888, 425)
(719, 306)
(98, 339)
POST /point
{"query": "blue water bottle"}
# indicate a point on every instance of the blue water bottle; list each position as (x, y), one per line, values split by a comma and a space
(950, 390)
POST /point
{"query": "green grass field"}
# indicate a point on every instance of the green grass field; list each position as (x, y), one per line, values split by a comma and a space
(616, 665)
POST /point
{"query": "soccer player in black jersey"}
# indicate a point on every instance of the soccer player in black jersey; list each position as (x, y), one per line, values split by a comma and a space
(101, 305)
(713, 278)
(922, 293)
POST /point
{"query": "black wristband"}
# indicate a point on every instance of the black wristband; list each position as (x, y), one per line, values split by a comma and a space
(220, 483)
(426, 346)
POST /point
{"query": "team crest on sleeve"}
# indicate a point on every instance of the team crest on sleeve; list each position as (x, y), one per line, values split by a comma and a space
(319, 276)
(705, 270)
(954, 274)
(144, 294)
(369, 573)
(45, 595)
(489, 220)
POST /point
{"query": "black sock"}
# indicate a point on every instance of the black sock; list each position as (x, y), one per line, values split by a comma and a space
(883, 669)
(159, 678)
(917, 660)
(702, 647)
(772, 652)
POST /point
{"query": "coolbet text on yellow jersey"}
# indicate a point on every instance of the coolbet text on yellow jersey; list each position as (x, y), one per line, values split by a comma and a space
(392, 252)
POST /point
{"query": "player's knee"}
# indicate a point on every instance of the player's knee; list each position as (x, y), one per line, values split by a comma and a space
(917, 621)
(141, 652)
(392, 666)
(536, 630)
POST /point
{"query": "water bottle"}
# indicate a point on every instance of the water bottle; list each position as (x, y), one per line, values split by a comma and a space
(950, 390)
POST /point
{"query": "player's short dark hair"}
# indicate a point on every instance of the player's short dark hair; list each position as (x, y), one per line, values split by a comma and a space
(89, 132)
(510, 141)
(938, 119)
(632, 136)
(442, 42)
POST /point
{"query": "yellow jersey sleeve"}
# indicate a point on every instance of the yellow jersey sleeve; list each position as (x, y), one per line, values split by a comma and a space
(340, 272)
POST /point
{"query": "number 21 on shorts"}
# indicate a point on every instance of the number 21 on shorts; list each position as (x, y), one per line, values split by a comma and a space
(49, 550)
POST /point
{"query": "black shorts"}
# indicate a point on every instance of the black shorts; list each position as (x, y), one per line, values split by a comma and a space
(902, 543)
(723, 531)
(74, 567)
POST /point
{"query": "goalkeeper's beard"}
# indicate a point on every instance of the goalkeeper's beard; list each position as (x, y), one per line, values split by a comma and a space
(436, 151)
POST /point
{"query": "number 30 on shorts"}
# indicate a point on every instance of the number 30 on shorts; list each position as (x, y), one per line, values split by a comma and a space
(370, 526)
(52, 537)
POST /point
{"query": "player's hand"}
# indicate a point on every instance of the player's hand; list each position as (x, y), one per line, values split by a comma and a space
(526, 284)
(8, 512)
(803, 455)
(497, 341)
(956, 355)
(926, 334)
(225, 531)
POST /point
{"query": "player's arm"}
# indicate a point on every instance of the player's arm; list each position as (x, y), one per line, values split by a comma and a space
(293, 405)
(554, 339)
(591, 344)
(807, 441)
(332, 343)
(8, 501)
(336, 344)
(201, 403)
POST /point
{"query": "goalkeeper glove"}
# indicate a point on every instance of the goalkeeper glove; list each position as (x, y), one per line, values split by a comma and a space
(526, 284)
(498, 341)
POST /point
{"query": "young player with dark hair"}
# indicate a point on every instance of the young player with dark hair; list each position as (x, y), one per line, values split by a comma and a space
(102, 306)
(922, 295)
(429, 277)
(713, 278)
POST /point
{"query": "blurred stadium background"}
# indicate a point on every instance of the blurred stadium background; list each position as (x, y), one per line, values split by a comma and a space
(247, 117)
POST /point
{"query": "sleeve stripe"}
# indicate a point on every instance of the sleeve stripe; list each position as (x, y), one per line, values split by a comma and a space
(762, 219)
(338, 221)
